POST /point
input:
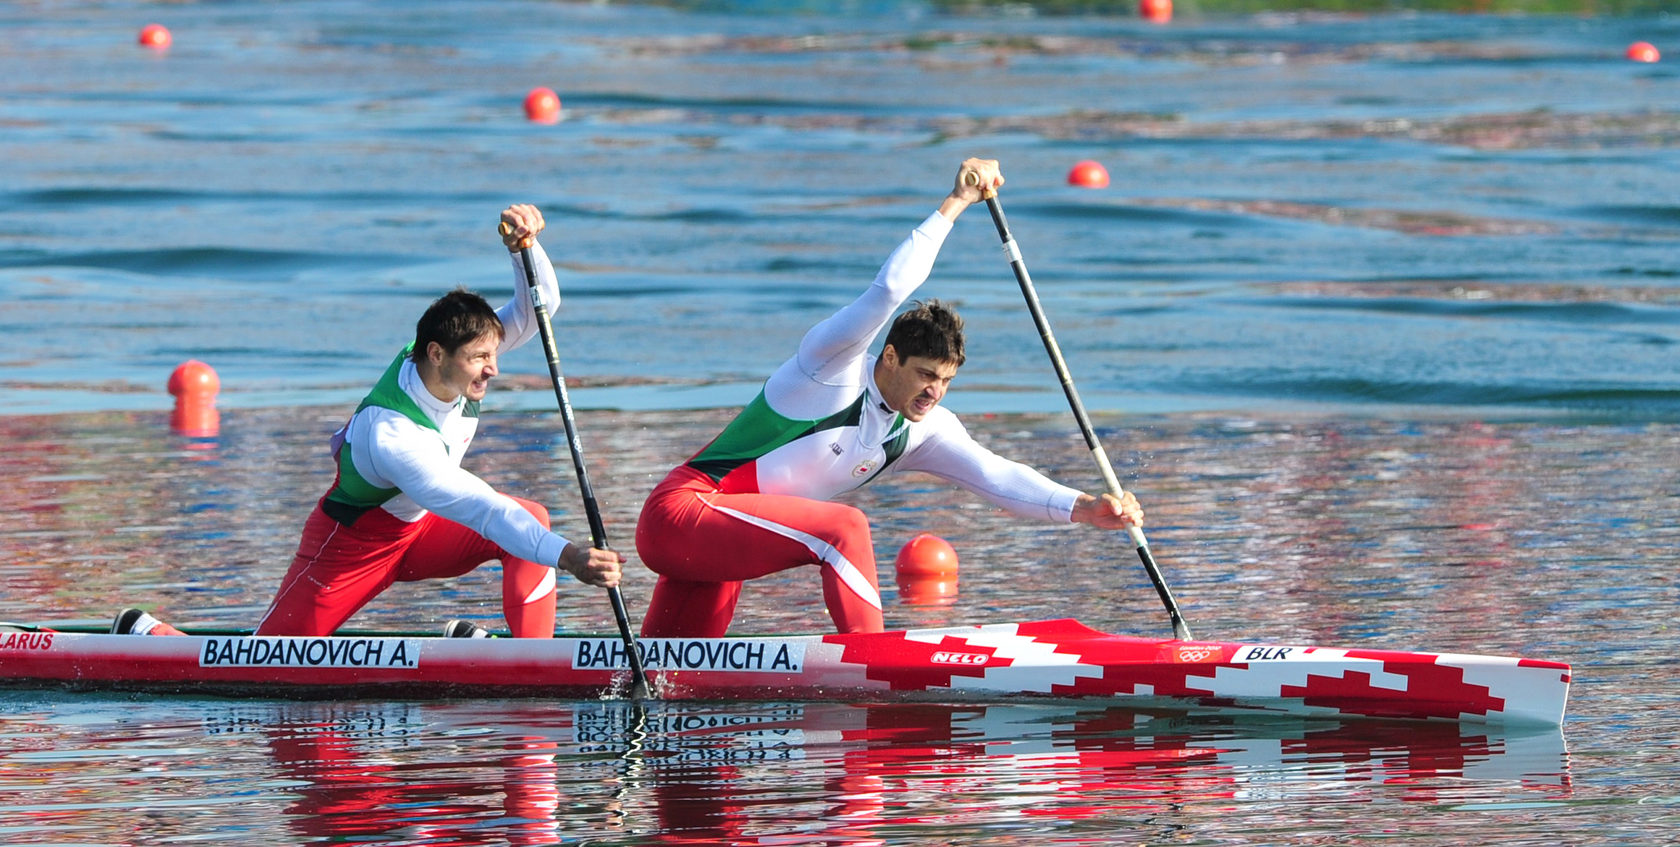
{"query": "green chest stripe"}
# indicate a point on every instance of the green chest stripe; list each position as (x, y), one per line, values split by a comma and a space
(895, 447)
(352, 495)
(758, 430)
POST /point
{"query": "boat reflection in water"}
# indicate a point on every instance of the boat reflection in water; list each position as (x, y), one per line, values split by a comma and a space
(844, 773)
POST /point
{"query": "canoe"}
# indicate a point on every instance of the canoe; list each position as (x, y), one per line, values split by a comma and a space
(1038, 660)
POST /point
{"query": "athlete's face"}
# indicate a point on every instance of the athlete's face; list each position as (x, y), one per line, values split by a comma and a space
(466, 370)
(912, 386)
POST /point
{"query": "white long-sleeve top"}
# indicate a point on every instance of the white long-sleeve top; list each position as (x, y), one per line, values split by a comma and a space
(820, 427)
(390, 450)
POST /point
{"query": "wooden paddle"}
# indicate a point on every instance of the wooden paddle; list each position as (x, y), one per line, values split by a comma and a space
(597, 530)
(1013, 251)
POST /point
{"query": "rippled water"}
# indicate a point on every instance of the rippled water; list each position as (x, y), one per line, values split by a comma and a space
(1378, 318)
(612, 773)
(1545, 540)
(1373, 212)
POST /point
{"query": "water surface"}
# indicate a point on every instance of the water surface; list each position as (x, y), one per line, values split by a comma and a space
(1377, 316)
(1365, 213)
(1531, 539)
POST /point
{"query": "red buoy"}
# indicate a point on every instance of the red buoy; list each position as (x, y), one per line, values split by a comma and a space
(927, 571)
(926, 555)
(1159, 11)
(155, 36)
(1643, 51)
(194, 386)
(193, 378)
(542, 105)
(1088, 174)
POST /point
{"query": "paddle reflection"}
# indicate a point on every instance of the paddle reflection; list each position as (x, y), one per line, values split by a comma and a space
(840, 773)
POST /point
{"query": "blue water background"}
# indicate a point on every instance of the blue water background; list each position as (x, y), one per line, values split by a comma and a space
(1377, 316)
(1359, 214)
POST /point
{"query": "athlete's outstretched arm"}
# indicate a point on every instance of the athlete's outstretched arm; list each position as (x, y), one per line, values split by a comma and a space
(950, 453)
(396, 452)
(833, 348)
(829, 366)
(519, 320)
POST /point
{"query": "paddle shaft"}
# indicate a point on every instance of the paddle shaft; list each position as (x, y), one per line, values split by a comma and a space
(592, 510)
(1013, 251)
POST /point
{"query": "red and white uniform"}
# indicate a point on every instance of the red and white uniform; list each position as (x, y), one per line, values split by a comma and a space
(403, 508)
(755, 500)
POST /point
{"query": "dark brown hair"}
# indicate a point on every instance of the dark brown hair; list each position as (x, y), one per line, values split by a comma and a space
(930, 330)
(453, 320)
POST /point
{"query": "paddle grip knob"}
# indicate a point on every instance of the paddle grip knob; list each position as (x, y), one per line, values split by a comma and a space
(972, 180)
(506, 229)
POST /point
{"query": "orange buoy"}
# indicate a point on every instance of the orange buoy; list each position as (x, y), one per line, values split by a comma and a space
(1088, 174)
(927, 571)
(542, 105)
(1159, 11)
(194, 385)
(155, 36)
(194, 378)
(926, 556)
(1643, 51)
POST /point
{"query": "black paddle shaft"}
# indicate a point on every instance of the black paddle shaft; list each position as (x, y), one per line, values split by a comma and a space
(1013, 251)
(592, 510)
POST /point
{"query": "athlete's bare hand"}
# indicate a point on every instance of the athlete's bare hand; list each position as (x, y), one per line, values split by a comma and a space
(974, 178)
(592, 565)
(1109, 512)
(523, 222)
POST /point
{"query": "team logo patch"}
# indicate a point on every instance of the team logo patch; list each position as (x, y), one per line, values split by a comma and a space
(864, 468)
(1196, 653)
(949, 658)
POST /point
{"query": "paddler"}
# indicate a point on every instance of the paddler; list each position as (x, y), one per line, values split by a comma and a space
(757, 499)
(403, 509)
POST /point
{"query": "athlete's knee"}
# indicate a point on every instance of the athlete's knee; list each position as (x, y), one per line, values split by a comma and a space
(537, 510)
(850, 530)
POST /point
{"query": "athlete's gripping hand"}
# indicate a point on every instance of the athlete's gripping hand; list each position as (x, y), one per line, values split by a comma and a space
(974, 178)
(1108, 512)
(592, 565)
(520, 224)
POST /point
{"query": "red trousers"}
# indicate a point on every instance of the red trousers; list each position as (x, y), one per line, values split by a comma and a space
(703, 543)
(338, 569)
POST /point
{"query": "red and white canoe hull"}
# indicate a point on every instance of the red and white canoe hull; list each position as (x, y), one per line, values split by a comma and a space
(1059, 660)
